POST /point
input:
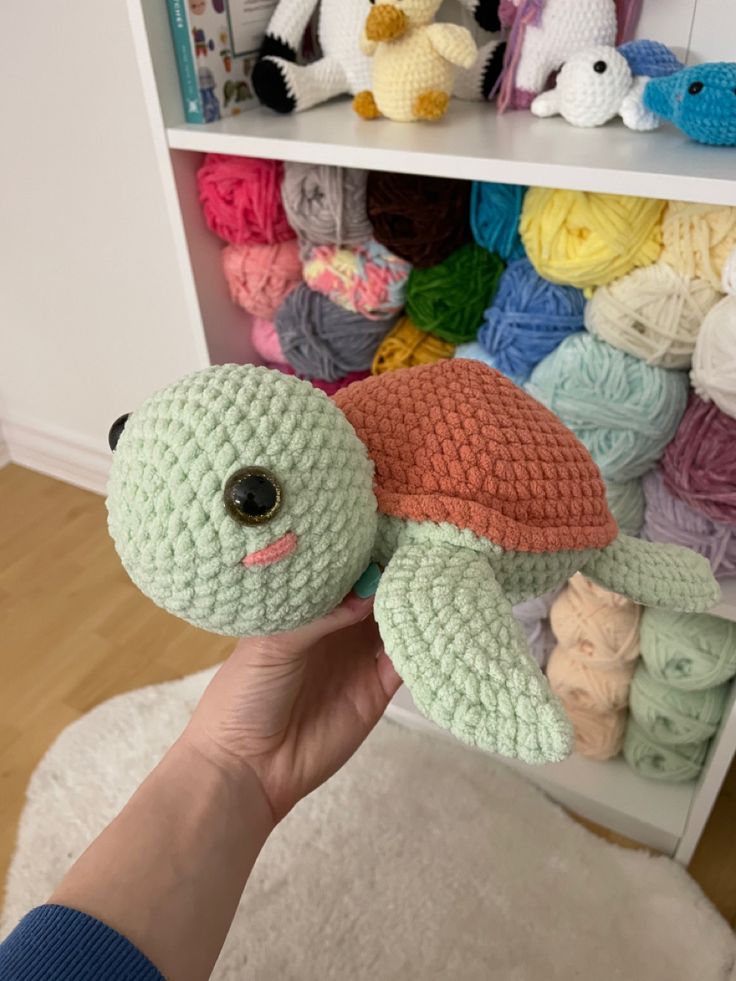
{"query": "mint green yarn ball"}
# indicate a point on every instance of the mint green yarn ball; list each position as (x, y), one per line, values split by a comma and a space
(689, 651)
(670, 764)
(627, 505)
(674, 717)
(182, 547)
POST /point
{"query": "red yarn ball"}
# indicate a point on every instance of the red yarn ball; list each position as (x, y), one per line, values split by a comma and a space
(241, 199)
(260, 277)
(699, 465)
(328, 387)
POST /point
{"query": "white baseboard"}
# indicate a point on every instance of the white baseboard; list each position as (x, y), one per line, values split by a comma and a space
(66, 456)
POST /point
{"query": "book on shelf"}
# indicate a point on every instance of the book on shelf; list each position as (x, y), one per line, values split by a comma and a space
(216, 43)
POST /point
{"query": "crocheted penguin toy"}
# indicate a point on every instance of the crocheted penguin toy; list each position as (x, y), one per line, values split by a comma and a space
(248, 503)
(701, 101)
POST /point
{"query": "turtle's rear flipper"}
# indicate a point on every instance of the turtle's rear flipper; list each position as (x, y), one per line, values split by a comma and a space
(450, 632)
(667, 576)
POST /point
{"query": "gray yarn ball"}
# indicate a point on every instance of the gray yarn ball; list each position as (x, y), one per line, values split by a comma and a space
(326, 205)
(322, 340)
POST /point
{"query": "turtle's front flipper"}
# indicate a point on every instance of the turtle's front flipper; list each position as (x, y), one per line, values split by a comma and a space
(667, 576)
(450, 633)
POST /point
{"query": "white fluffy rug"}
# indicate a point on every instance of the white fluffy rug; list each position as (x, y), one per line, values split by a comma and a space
(419, 861)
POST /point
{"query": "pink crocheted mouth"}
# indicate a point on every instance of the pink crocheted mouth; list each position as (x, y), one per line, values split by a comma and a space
(272, 553)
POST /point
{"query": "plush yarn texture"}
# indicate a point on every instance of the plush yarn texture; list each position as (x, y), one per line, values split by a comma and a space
(448, 300)
(653, 313)
(367, 279)
(406, 346)
(624, 410)
(673, 717)
(582, 684)
(329, 387)
(651, 759)
(326, 205)
(583, 239)
(699, 466)
(627, 505)
(595, 626)
(698, 239)
(698, 100)
(728, 276)
(495, 211)
(261, 276)
(688, 651)
(714, 361)
(266, 341)
(322, 340)
(420, 219)
(528, 318)
(598, 735)
(241, 199)
(668, 519)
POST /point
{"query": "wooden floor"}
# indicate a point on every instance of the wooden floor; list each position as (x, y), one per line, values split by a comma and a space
(74, 631)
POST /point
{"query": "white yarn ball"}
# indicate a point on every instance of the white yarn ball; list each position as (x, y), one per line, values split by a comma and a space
(729, 274)
(714, 361)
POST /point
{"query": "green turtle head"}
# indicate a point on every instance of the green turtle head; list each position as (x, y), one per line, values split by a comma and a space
(241, 500)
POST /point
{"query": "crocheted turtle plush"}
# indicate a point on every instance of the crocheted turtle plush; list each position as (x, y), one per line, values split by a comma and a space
(248, 503)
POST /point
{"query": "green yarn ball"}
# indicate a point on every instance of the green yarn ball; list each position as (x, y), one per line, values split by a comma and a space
(449, 300)
(627, 505)
(670, 764)
(674, 717)
(689, 651)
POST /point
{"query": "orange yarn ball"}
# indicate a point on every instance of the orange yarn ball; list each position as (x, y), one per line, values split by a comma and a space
(407, 346)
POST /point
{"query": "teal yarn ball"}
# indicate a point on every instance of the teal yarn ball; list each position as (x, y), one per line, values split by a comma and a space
(670, 764)
(495, 211)
(689, 651)
(627, 505)
(674, 717)
(624, 410)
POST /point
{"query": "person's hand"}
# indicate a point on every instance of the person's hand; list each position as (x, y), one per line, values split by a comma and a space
(294, 707)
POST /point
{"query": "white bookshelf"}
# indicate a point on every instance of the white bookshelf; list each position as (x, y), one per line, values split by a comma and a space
(473, 143)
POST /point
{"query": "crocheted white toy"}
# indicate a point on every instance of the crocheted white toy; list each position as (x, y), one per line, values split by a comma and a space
(414, 61)
(285, 86)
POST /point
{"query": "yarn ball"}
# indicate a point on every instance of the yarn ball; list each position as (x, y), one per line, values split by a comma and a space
(260, 276)
(495, 210)
(322, 340)
(420, 219)
(598, 627)
(528, 318)
(670, 764)
(326, 205)
(583, 239)
(728, 279)
(582, 684)
(266, 341)
(699, 466)
(714, 361)
(328, 387)
(533, 615)
(367, 279)
(474, 351)
(626, 503)
(668, 519)
(698, 239)
(598, 735)
(673, 717)
(624, 410)
(407, 346)
(653, 313)
(448, 300)
(688, 650)
(241, 199)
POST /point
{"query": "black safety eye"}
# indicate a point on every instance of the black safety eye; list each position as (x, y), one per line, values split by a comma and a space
(253, 496)
(696, 88)
(116, 431)
(600, 67)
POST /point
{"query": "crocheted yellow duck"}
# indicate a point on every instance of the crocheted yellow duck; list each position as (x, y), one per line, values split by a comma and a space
(414, 61)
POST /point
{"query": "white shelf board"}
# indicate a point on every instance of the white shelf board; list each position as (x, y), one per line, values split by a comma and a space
(727, 607)
(474, 142)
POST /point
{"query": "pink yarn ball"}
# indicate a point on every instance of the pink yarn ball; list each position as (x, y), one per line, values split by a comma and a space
(241, 199)
(266, 342)
(329, 387)
(261, 276)
(699, 465)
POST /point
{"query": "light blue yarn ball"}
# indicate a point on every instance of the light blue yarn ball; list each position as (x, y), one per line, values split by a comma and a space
(495, 211)
(528, 318)
(624, 410)
(476, 352)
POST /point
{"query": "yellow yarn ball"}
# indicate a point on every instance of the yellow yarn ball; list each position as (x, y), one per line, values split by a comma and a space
(698, 239)
(406, 346)
(585, 240)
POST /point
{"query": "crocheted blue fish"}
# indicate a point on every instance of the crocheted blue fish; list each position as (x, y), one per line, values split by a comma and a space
(701, 101)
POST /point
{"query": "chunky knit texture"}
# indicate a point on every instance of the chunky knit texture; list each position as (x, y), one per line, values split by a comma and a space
(699, 101)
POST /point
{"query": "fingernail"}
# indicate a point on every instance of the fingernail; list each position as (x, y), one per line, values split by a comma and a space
(368, 582)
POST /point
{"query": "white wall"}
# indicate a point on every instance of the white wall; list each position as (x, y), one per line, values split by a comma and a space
(92, 310)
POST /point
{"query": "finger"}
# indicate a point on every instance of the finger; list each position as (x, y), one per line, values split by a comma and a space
(387, 675)
(352, 610)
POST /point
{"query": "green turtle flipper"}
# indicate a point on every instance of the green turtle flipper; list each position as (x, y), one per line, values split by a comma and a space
(451, 635)
(666, 576)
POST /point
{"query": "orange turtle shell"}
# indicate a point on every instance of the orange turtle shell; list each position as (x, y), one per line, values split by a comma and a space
(458, 442)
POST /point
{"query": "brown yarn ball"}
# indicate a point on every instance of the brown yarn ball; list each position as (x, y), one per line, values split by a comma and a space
(420, 219)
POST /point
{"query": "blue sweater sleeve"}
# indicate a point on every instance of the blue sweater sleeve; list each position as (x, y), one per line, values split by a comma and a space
(53, 943)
